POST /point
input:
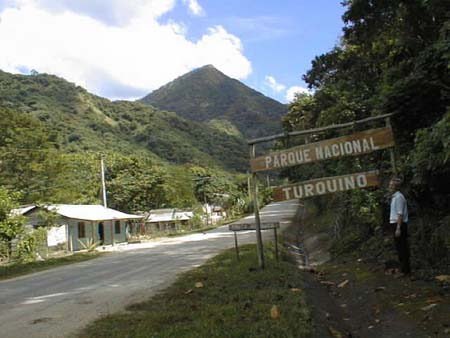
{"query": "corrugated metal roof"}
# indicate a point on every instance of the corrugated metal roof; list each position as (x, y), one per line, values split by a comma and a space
(22, 210)
(168, 215)
(90, 212)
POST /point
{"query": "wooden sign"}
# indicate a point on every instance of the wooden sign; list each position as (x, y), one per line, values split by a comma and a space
(252, 226)
(326, 185)
(349, 145)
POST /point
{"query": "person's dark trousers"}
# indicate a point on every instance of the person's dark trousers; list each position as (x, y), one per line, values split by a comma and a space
(402, 246)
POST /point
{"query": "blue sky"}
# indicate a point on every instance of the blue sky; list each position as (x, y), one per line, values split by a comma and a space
(125, 49)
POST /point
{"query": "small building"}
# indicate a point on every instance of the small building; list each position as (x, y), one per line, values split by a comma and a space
(167, 219)
(81, 226)
(217, 214)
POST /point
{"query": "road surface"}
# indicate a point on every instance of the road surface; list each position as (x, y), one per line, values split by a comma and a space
(60, 301)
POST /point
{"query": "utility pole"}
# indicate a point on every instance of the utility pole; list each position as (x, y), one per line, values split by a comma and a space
(103, 181)
(206, 206)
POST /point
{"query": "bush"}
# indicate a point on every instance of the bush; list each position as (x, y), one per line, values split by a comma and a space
(26, 248)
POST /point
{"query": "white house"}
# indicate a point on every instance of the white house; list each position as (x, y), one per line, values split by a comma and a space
(80, 226)
(167, 219)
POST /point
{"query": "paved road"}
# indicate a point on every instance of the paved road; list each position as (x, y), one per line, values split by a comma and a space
(58, 302)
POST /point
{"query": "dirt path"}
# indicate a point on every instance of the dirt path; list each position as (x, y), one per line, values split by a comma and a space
(353, 298)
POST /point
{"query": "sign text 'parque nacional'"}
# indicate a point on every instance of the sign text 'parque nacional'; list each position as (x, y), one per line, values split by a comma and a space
(326, 185)
(350, 145)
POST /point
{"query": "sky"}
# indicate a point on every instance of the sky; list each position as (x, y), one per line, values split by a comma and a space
(124, 49)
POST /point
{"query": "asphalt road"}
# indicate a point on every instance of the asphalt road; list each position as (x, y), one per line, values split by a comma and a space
(58, 302)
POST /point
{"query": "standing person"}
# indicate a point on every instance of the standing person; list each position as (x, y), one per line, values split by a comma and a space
(399, 224)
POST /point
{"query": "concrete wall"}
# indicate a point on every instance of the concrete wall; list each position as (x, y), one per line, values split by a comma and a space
(91, 231)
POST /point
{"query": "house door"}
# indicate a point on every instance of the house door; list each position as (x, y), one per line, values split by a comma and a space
(101, 232)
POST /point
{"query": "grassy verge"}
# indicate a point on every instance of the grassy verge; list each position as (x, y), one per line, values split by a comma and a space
(20, 269)
(188, 232)
(233, 300)
(195, 231)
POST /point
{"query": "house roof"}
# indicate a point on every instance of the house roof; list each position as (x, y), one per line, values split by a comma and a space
(168, 215)
(90, 212)
(22, 210)
(86, 212)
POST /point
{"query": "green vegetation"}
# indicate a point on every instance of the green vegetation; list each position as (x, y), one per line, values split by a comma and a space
(222, 298)
(11, 226)
(82, 122)
(206, 94)
(20, 269)
(394, 57)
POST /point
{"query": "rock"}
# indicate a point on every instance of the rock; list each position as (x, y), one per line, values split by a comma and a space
(328, 283)
(428, 307)
(443, 278)
(199, 285)
(344, 283)
(380, 288)
(434, 300)
(296, 290)
(275, 312)
(335, 333)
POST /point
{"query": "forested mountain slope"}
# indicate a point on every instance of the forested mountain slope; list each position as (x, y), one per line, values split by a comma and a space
(206, 94)
(81, 121)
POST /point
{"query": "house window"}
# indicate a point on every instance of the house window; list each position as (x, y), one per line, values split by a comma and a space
(117, 227)
(81, 230)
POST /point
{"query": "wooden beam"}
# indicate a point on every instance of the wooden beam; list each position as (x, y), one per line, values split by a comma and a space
(326, 185)
(259, 243)
(317, 130)
(112, 233)
(350, 145)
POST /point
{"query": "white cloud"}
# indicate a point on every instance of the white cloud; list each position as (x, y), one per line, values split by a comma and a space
(111, 12)
(272, 83)
(290, 93)
(194, 7)
(125, 59)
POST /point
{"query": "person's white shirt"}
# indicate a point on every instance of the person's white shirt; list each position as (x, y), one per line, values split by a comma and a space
(398, 207)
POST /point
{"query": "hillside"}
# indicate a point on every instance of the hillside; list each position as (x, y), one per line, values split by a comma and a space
(82, 121)
(206, 94)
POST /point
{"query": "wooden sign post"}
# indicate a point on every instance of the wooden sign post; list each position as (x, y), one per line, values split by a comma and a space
(259, 243)
(351, 145)
(326, 185)
(356, 144)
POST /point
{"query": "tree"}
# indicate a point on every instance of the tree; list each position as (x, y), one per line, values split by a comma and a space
(11, 226)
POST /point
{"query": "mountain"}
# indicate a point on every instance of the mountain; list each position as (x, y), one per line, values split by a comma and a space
(84, 122)
(206, 94)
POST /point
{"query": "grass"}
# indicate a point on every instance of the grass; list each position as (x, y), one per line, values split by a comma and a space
(235, 300)
(189, 232)
(20, 269)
